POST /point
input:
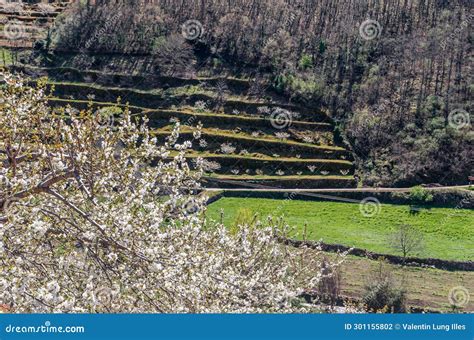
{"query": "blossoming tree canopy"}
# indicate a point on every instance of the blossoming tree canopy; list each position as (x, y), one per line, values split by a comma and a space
(97, 216)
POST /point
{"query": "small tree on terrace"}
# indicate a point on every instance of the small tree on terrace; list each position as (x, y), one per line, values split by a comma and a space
(406, 240)
(87, 225)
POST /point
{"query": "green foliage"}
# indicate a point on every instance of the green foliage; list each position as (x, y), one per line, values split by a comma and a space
(216, 63)
(6, 57)
(382, 296)
(419, 194)
(308, 89)
(322, 47)
(304, 88)
(305, 62)
(281, 83)
(158, 43)
(432, 105)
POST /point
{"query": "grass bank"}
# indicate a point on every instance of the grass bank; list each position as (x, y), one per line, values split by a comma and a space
(448, 233)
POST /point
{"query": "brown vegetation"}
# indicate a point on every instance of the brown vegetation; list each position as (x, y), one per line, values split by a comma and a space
(392, 95)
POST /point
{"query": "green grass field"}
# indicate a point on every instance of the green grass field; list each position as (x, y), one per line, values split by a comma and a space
(448, 233)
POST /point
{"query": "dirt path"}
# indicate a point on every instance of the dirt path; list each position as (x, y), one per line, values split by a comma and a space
(261, 188)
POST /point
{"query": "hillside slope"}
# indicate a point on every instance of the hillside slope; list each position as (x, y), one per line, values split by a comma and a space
(395, 77)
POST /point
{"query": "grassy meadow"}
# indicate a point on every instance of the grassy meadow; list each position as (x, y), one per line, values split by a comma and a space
(447, 233)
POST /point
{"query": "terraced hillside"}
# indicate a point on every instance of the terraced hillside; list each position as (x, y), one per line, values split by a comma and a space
(247, 141)
(22, 24)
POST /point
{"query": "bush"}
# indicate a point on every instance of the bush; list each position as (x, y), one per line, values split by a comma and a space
(303, 88)
(305, 62)
(419, 194)
(381, 294)
(280, 83)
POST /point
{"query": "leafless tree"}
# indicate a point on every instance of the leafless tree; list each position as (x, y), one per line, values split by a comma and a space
(406, 240)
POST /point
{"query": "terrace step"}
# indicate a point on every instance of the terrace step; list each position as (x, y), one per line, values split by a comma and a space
(27, 35)
(187, 116)
(28, 14)
(142, 82)
(215, 140)
(299, 131)
(271, 166)
(16, 43)
(280, 182)
(158, 99)
(241, 124)
(30, 18)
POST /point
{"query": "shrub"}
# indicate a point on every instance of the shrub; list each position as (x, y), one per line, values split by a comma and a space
(419, 194)
(302, 87)
(305, 62)
(381, 294)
